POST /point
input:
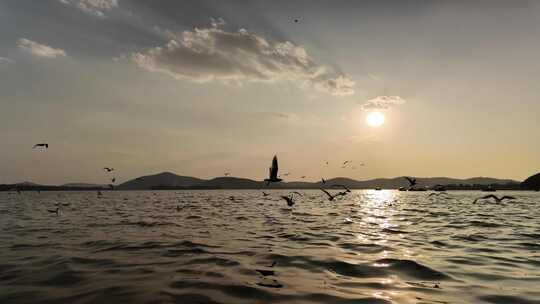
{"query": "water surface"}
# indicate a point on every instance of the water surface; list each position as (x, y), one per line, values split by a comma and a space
(368, 247)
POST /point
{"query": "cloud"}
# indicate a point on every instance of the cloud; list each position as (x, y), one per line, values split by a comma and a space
(39, 50)
(383, 102)
(93, 7)
(214, 54)
(5, 60)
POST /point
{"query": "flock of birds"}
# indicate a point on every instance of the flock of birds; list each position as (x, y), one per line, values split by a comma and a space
(274, 177)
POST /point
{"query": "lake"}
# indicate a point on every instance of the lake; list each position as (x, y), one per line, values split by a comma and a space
(241, 247)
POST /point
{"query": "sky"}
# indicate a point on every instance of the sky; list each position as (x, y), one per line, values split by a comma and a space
(200, 88)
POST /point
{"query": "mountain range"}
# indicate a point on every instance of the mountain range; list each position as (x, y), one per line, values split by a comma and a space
(168, 180)
(171, 181)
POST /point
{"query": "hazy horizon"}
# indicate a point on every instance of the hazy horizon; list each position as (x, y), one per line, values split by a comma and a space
(201, 88)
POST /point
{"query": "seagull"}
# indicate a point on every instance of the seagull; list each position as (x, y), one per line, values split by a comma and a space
(265, 194)
(342, 186)
(346, 162)
(54, 210)
(273, 173)
(289, 200)
(437, 194)
(108, 169)
(412, 181)
(46, 146)
(497, 199)
(332, 197)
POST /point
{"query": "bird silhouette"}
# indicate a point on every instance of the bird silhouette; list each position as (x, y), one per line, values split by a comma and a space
(411, 180)
(289, 200)
(54, 210)
(342, 186)
(265, 194)
(437, 194)
(346, 162)
(113, 180)
(273, 172)
(108, 169)
(44, 145)
(332, 197)
(497, 199)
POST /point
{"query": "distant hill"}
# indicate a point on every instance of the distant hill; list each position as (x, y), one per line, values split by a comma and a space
(532, 183)
(168, 180)
(165, 179)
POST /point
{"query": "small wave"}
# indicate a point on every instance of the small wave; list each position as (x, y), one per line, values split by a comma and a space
(413, 269)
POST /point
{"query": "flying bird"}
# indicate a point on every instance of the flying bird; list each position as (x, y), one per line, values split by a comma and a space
(44, 145)
(332, 197)
(54, 210)
(289, 200)
(497, 199)
(108, 169)
(342, 186)
(411, 180)
(437, 194)
(273, 172)
(347, 162)
(265, 194)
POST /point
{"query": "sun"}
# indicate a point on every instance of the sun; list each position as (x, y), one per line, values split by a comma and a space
(375, 119)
